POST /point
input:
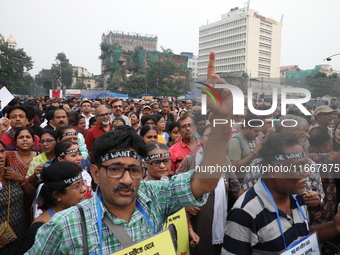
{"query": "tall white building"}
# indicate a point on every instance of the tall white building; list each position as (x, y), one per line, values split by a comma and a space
(244, 41)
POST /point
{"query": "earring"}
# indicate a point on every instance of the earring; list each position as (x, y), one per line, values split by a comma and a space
(58, 199)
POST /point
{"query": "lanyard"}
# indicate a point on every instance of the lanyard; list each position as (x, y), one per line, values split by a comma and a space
(100, 225)
(278, 215)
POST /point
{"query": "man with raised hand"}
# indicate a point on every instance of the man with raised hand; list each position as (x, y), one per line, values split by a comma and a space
(140, 208)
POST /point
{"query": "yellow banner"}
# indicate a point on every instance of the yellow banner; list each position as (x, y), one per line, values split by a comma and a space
(160, 244)
(179, 222)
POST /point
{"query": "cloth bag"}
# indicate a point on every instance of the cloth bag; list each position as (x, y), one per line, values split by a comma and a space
(7, 234)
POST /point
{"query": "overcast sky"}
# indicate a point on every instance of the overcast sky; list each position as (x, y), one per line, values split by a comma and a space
(44, 28)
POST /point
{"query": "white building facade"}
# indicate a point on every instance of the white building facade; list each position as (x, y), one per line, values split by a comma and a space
(244, 41)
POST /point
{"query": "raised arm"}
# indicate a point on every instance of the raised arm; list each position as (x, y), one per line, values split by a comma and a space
(216, 150)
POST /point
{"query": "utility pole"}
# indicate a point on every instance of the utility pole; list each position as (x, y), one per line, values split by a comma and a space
(157, 85)
(262, 86)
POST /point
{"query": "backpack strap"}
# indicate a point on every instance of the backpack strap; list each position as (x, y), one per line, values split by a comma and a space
(240, 140)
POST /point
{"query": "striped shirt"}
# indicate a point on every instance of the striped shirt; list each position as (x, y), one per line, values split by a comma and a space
(252, 226)
(159, 199)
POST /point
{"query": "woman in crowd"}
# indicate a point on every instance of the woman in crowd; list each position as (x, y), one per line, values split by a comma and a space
(92, 122)
(149, 134)
(70, 133)
(118, 122)
(69, 151)
(158, 166)
(63, 187)
(209, 220)
(175, 136)
(13, 188)
(73, 120)
(134, 121)
(48, 140)
(181, 113)
(158, 161)
(160, 126)
(82, 122)
(22, 157)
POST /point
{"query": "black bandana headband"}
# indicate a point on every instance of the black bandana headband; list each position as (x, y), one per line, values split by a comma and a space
(67, 181)
(69, 133)
(283, 157)
(154, 156)
(121, 154)
(64, 153)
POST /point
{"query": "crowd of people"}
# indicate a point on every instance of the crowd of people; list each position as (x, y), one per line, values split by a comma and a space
(58, 153)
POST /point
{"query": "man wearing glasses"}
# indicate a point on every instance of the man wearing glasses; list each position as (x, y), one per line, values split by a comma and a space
(117, 111)
(138, 207)
(188, 144)
(102, 116)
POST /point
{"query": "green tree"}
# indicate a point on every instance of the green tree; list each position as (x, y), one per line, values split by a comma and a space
(63, 70)
(80, 85)
(47, 79)
(322, 85)
(165, 78)
(14, 63)
(134, 85)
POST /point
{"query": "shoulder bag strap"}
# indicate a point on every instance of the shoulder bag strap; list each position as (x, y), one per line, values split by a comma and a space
(119, 232)
(83, 229)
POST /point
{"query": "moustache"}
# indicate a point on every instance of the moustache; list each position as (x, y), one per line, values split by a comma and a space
(61, 122)
(122, 186)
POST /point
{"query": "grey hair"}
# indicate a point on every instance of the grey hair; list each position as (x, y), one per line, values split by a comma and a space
(99, 107)
(291, 120)
(151, 147)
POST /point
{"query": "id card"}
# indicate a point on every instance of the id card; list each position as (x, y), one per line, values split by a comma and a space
(308, 245)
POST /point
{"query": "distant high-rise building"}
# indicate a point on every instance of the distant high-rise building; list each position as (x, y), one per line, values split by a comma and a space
(244, 41)
(130, 40)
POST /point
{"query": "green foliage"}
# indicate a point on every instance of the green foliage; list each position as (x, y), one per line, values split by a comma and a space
(46, 79)
(14, 62)
(321, 84)
(107, 54)
(63, 70)
(134, 85)
(80, 85)
(163, 78)
(61, 57)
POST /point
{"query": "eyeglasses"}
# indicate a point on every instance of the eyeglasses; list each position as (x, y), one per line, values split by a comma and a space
(302, 138)
(116, 171)
(79, 186)
(117, 106)
(186, 126)
(47, 141)
(103, 115)
(157, 163)
(86, 105)
(162, 122)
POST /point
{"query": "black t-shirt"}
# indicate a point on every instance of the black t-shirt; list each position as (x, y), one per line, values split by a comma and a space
(336, 146)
